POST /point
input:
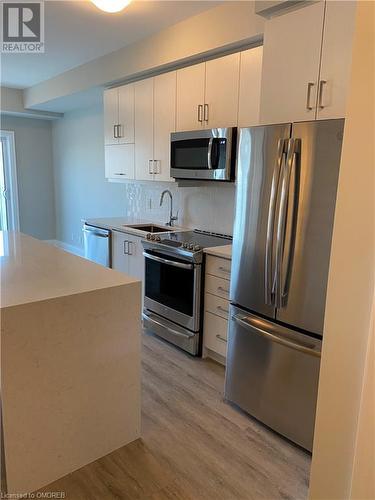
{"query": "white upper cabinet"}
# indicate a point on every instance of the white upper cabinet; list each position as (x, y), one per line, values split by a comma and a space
(336, 58)
(250, 80)
(119, 115)
(190, 97)
(119, 161)
(306, 63)
(207, 94)
(110, 100)
(125, 130)
(221, 93)
(164, 123)
(291, 58)
(144, 130)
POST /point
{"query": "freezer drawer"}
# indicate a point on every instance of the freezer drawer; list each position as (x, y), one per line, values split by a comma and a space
(272, 373)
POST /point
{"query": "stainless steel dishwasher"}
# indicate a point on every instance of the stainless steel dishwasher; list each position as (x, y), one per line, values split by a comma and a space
(97, 243)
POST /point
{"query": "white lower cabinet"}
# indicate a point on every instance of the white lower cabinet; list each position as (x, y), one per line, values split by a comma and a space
(216, 307)
(127, 254)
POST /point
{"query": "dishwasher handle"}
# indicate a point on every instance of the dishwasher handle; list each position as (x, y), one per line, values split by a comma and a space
(94, 231)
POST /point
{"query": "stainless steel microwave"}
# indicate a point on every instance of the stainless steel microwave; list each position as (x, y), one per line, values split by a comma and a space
(204, 154)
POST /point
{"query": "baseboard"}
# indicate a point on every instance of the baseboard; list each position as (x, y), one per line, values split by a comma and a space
(65, 246)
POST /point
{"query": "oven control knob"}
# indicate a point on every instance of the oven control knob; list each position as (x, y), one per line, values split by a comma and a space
(191, 246)
(148, 236)
(185, 245)
(157, 238)
(197, 248)
(152, 237)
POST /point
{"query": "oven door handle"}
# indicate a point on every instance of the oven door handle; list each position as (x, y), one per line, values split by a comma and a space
(167, 261)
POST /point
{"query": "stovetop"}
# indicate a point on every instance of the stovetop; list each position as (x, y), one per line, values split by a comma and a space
(188, 244)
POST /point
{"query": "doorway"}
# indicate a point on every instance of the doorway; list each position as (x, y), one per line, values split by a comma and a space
(9, 212)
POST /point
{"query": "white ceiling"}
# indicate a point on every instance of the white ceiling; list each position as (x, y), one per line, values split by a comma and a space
(77, 32)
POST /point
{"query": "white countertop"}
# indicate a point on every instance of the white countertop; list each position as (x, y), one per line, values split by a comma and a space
(32, 271)
(224, 251)
(122, 224)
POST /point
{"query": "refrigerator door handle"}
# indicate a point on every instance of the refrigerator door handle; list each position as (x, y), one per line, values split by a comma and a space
(293, 145)
(248, 324)
(269, 277)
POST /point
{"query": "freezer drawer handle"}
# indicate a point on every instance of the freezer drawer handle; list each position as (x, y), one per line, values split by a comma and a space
(243, 321)
(170, 330)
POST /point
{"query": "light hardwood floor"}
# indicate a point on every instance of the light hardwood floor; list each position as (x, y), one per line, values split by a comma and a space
(194, 445)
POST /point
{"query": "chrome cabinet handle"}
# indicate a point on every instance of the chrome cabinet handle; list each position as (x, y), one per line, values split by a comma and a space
(205, 118)
(130, 248)
(115, 131)
(119, 131)
(150, 167)
(222, 309)
(157, 169)
(310, 85)
(200, 113)
(321, 88)
(119, 173)
(126, 247)
(221, 289)
(224, 270)
(219, 337)
(249, 325)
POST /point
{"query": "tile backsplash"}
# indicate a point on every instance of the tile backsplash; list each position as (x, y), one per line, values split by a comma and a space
(210, 207)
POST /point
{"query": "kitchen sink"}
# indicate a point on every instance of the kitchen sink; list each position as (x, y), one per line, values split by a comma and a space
(150, 228)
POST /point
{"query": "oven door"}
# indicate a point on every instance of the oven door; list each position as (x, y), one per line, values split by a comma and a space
(173, 288)
(204, 154)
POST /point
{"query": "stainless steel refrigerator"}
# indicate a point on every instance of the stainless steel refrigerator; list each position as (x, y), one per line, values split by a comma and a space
(287, 179)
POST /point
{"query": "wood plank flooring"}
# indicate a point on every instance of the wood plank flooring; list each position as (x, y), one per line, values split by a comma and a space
(194, 446)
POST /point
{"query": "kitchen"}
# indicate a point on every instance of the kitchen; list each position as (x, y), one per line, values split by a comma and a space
(175, 150)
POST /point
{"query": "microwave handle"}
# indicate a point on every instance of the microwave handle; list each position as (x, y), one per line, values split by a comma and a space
(212, 154)
(209, 153)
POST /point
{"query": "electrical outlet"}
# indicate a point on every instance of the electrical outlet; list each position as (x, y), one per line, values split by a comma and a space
(150, 203)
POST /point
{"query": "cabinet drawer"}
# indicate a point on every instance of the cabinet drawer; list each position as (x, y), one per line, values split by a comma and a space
(216, 305)
(217, 286)
(215, 333)
(218, 267)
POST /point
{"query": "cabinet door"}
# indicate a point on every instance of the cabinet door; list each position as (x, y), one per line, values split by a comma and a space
(336, 58)
(144, 164)
(164, 123)
(250, 78)
(119, 161)
(110, 101)
(126, 114)
(120, 257)
(221, 96)
(291, 57)
(136, 259)
(190, 97)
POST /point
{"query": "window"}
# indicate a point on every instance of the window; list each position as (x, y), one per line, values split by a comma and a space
(9, 215)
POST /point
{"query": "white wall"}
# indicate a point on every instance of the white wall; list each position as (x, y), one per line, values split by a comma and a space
(81, 190)
(33, 142)
(350, 286)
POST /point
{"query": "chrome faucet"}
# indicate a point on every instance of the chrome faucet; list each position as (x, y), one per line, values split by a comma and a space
(172, 217)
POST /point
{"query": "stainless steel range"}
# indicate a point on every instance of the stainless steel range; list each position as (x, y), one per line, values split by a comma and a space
(174, 285)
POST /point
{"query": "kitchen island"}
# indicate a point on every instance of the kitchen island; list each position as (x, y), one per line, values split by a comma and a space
(70, 361)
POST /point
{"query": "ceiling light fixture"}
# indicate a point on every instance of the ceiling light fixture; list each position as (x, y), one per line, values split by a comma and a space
(111, 5)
